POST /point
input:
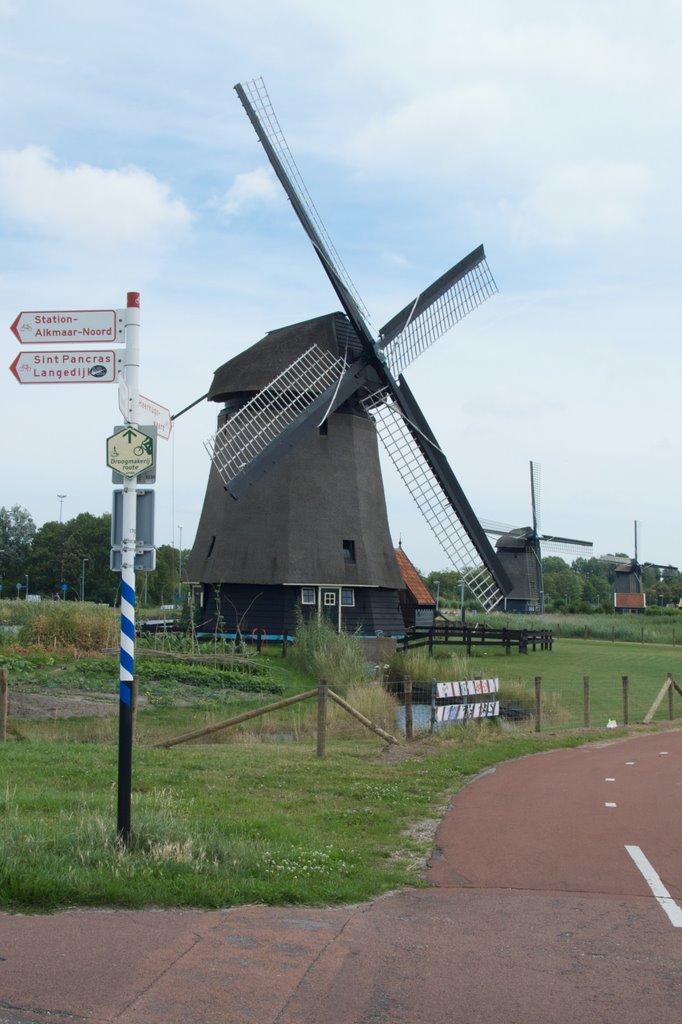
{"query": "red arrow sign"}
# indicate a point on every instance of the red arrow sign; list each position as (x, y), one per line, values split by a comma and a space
(81, 366)
(36, 327)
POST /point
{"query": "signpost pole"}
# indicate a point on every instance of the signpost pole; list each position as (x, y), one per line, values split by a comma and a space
(131, 374)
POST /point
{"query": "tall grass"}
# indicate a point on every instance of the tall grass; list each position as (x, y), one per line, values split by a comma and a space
(59, 625)
(323, 653)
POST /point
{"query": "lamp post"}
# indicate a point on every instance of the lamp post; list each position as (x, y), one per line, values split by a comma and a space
(180, 567)
(83, 561)
(26, 597)
(61, 504)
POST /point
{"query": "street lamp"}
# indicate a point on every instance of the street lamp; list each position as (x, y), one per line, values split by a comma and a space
(61, 503)
(180, 567)
(83, 561)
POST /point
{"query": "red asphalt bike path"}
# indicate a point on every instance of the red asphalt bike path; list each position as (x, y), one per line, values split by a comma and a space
(536, 912)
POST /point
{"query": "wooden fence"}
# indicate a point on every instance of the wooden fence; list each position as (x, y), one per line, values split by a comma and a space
(464, 634)
(321, 692)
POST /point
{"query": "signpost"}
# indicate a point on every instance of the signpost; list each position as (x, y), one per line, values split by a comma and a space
(138, 448)
(36, 327)
(79, 366)
(130, 452)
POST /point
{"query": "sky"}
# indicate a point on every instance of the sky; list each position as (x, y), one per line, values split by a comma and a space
(549, 132)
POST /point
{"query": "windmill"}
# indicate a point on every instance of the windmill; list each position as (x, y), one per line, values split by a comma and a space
(521, 551)
(312, 426)
(628, 573)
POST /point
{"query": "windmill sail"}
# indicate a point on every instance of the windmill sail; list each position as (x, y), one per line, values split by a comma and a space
(409, 439)
(263, 419)
(447, 301)
(440, 499)
(256, 102)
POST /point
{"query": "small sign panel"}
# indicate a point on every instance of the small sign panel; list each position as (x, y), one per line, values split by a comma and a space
(130, 452)
(36, 327)
(80, 366)
(159, 415)
(148, 476)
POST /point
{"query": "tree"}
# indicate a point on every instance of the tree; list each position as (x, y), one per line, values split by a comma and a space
(17, 531)
(73, 556)
(563, 586)
(448, 592)
(163, 585)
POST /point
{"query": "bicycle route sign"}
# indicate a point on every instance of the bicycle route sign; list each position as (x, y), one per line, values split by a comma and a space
(130, 452)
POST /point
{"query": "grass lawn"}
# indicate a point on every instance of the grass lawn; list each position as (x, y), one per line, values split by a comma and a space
(229, 824)
(247, 819)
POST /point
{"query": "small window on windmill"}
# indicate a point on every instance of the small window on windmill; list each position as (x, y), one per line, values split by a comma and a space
(330, 599)
(347, 597)
(349, 552)
(307, 595)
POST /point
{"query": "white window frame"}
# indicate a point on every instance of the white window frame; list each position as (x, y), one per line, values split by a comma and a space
(330, 599)
(344, 592)
(308, 591)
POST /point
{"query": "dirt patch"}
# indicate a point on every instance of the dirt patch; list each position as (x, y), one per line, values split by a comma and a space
(63, 704)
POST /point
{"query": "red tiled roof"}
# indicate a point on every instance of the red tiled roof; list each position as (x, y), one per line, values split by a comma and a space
(413, 580)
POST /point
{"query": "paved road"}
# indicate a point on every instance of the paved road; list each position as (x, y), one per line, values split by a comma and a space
(536, 912)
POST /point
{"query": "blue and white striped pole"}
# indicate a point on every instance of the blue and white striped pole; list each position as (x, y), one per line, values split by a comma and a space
(131, 374)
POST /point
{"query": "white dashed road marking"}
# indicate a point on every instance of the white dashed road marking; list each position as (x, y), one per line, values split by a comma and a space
(664, 898)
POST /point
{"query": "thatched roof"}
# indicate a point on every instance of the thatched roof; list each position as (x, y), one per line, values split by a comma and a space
(255, 367)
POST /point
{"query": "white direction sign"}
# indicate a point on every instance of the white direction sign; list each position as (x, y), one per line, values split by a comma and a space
(37, 327)
(159, 415)
(130, 452)
(81, 366)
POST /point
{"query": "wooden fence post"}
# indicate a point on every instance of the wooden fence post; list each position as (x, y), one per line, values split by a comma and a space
(626, 707)
(4, 688)
(586, 701)
(322, 719)
(538, 703)
(409, 720)
(671, 710)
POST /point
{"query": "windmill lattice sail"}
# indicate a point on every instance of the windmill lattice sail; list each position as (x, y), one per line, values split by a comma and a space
(432, 502)
(256, 101)
(267, 415)
(447, 301)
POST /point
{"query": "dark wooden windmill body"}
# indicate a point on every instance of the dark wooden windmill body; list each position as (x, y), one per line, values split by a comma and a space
(315, 535)
(303, 409)
(521, 550)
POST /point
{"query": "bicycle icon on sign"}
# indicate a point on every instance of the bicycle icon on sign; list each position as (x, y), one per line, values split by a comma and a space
(145, 448)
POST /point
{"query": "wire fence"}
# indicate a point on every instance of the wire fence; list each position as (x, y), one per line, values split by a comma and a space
(541, 707)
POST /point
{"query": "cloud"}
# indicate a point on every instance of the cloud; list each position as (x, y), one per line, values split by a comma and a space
(86, 204)
(581, 200)
(249, 190)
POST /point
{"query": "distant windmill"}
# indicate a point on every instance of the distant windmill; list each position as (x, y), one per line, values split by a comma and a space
(628, 585)
(305, 405)
(522, 549)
